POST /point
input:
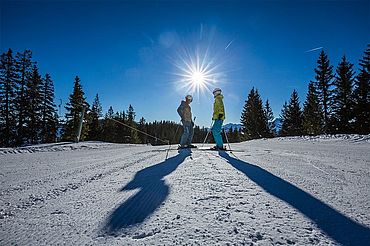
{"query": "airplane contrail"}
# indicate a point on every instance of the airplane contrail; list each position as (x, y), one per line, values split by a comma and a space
(227, 46)
(318, 48)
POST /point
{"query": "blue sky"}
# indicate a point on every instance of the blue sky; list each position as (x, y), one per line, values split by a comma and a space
(127, 51)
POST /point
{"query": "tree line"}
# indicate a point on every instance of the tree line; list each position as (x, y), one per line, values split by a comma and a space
(28, 113)
(27, 109)
(336, 102)
(119, 126)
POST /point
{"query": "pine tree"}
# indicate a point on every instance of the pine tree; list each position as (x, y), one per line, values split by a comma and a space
(324, 80)
(343, 97)
(134, 138)
(123, 133)
(312, 113)
(49, 119)
(270, 119)
(34, 112)
(238, 135)
(142, 127)
(230, 134)
(233, 135)
(199, 133)
(109, 127)
(253, 118)
(8, 89)
(95, 114)
(362, 95)
(292, 117)
(153, 129)
(24, 67)
(74, 109)
(283, 116)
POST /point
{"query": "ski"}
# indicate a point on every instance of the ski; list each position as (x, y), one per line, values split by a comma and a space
(199, 149)
(190, 147)
(227, 150)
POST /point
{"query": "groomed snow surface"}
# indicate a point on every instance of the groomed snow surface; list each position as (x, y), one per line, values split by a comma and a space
(282, 191)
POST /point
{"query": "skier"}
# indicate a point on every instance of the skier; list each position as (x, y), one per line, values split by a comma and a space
(218, 117)
(184, 111)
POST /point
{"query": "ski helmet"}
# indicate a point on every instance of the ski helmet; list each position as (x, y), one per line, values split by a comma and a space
(189, 97)
(217, 91)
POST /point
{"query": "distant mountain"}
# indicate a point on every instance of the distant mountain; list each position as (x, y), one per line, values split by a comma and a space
(229, 126)
(278, 124)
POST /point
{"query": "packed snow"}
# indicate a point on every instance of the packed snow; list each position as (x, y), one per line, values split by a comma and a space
(281, 191)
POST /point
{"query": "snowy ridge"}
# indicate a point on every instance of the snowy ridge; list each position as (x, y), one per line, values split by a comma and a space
(57, 147)
(232, 126)
(280, 191)
(352, 138)
(66, 146)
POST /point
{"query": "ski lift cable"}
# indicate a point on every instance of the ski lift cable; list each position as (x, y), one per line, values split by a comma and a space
(133, 128)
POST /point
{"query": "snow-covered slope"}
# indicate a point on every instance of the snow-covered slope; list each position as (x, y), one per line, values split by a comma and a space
(303, 191)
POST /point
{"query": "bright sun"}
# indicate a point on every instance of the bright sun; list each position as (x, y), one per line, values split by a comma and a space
(197, 72)
(200, 62)
(197, 78)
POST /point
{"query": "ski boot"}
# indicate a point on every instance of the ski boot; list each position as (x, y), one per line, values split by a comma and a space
(218, 148)
(192, 146)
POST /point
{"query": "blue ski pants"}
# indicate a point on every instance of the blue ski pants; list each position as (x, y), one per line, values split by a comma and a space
(187, 136)
(216, 131)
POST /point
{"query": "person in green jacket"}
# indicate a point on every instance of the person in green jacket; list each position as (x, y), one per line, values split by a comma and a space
(218, 117)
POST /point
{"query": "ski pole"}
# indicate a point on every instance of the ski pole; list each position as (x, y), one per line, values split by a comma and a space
(227, 140)
(210, 129)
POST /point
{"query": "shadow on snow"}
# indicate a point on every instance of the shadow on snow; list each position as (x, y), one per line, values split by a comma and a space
(153, 192)
(340, 228)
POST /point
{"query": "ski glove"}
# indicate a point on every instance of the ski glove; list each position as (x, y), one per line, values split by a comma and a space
(220, 116)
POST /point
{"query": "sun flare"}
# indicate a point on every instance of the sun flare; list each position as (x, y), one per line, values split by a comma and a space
(197, 73)
(200, 64)
(197, 78)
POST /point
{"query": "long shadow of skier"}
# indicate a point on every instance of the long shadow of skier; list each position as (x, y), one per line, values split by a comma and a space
(340, 228)
(153, 192)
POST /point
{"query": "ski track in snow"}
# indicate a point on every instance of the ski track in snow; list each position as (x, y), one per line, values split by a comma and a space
(282, 191)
